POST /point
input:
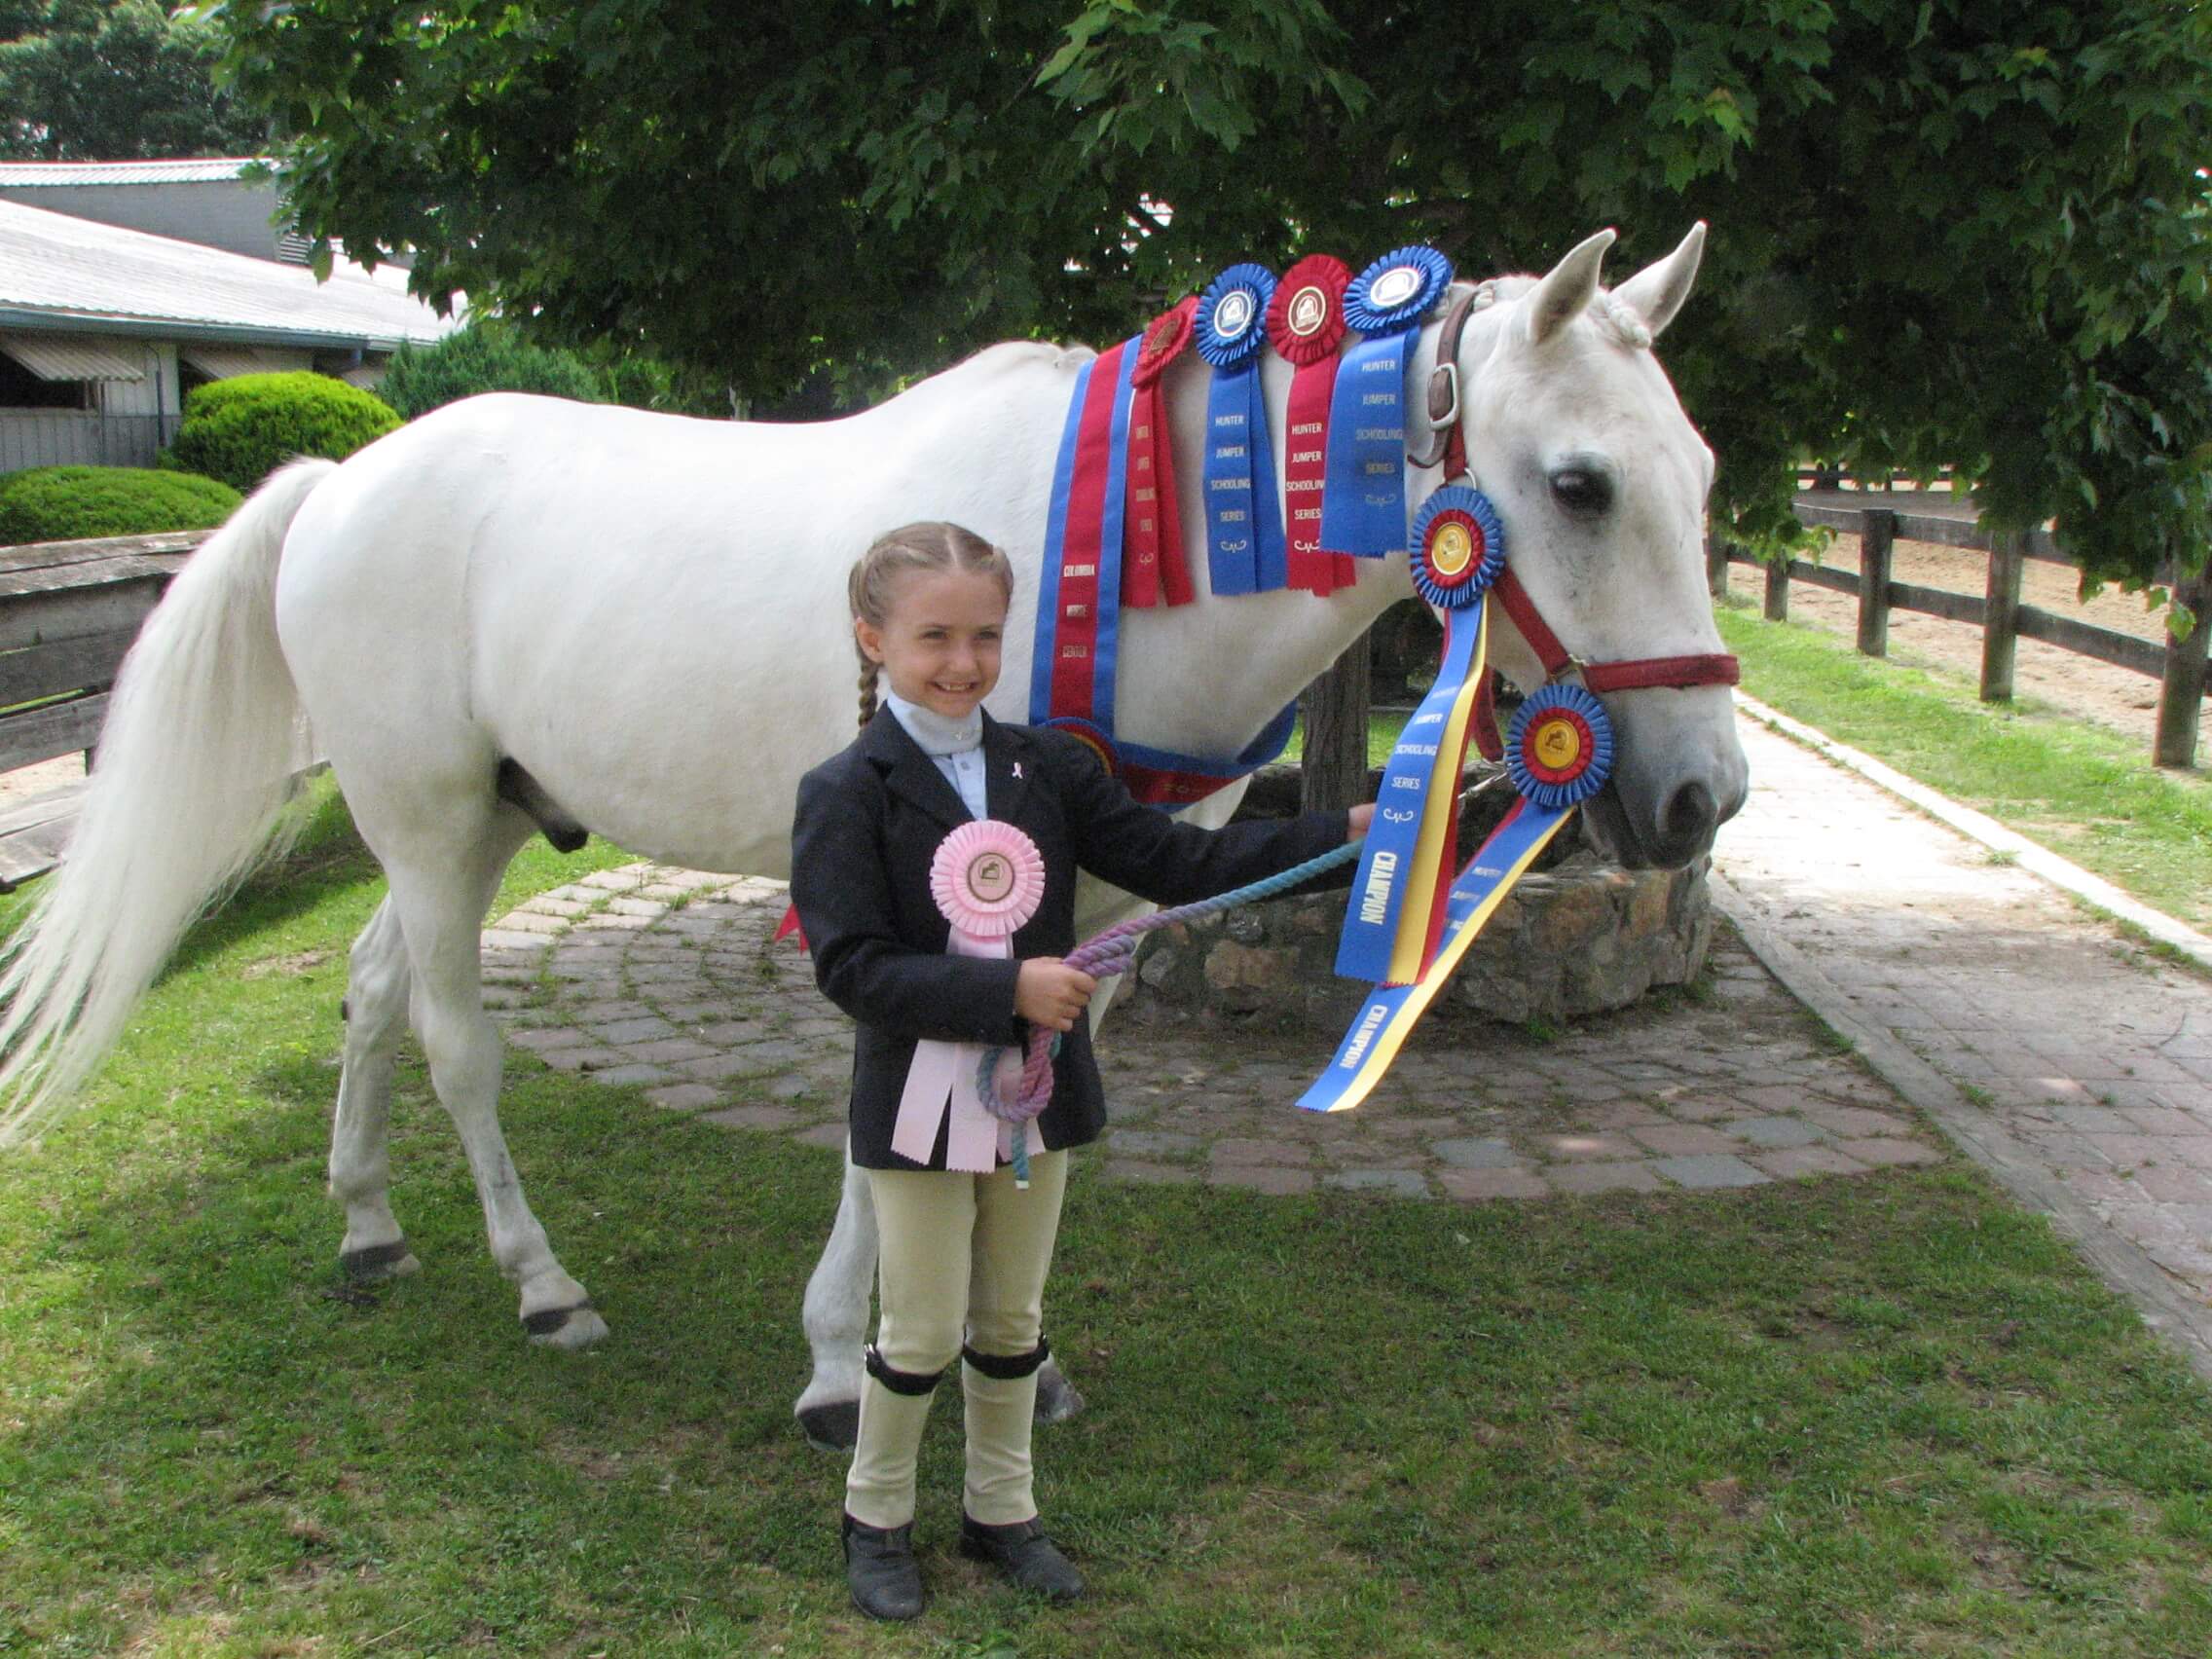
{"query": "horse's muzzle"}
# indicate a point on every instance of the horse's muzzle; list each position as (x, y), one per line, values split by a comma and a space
(1675, 833)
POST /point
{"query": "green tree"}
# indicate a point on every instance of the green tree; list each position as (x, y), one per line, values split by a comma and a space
(1945, 231)
(113, 80)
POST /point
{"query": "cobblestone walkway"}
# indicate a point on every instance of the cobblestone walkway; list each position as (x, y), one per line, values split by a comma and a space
(2073, 1064)
(664, 979)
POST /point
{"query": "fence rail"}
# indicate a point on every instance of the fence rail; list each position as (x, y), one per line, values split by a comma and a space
(2178, 665)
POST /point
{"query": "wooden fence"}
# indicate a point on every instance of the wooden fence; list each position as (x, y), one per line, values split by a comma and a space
(68, 611)
(2178, 665)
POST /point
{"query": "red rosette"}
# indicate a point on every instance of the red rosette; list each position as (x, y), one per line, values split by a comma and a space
(1165, 338)
(1305, 319)
(1557, 747)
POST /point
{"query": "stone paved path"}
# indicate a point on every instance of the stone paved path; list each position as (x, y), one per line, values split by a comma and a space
(2075, 1067)
(2073, 1064)
(666, 979)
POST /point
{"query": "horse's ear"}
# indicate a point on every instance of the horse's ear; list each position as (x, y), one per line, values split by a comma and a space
(1564, 295)
(1657, 291)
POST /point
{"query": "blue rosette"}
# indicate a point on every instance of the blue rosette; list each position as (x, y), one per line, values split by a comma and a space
(1558, 750)
(1457, 547)
(1232, 321)
(1396, 291)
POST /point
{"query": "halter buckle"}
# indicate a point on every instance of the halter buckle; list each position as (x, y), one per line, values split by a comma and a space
(1443, 395)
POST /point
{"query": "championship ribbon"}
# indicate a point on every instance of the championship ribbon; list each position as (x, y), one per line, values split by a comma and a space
(987, 878)
(1305, 323)
(1244, 541)
(1079, 602)
(1399, 895)
(1152, 556)
(1557, 754)
(1363, 509)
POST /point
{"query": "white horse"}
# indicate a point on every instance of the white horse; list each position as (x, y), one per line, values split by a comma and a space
(519, 612)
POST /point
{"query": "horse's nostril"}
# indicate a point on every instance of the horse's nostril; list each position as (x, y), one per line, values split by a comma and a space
(1687, 824)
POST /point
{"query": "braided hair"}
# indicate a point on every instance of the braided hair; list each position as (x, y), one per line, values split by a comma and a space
(931, 545)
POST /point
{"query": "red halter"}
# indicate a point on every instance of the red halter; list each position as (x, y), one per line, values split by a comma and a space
(1628, 675)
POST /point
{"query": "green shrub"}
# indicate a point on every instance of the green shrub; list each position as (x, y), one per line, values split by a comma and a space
(243, 428)
(66, 504)
(483, 357)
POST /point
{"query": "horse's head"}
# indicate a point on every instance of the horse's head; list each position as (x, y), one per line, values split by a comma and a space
(1575, 432)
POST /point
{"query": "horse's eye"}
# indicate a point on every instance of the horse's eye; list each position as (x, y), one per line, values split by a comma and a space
(1581, 490)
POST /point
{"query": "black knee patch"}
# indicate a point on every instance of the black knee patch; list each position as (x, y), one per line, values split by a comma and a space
(901, 1381)
(1008, 1366)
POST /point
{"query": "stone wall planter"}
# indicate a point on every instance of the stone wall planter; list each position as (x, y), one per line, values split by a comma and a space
(1573, 937)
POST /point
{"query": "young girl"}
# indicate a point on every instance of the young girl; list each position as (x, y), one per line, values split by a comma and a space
(965, 1254)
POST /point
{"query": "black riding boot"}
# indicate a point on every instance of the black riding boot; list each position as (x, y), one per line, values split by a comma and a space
(1025, 1555)
(880, 1570)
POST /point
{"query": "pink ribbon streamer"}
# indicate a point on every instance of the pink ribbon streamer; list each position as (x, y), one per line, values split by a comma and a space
(990, 876)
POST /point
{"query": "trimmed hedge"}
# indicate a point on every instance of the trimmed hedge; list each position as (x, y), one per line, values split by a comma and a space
(68, 504)
(243, 428)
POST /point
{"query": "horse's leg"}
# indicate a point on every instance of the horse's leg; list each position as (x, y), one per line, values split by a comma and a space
(836, 1315)
(361, 1170)
(439, 891)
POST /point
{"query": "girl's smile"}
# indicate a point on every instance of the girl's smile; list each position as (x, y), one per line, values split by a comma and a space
(940, 644)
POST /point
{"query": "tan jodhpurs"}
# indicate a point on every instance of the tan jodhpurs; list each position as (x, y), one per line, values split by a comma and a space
(961, 1253)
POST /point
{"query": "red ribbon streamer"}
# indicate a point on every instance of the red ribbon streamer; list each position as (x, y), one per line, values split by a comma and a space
(1306, 325)
(1074, 641)
(1153, 552)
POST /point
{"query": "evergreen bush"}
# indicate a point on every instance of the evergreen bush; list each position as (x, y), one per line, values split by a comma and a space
(483, 357)
(242, 429)
(67, 503)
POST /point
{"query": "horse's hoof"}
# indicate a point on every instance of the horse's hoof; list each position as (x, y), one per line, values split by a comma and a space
(379, 1262)
(833, 1428)
(1056, 1398)
(576, 1327)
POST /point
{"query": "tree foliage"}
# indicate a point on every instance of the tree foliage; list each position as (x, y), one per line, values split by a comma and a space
(1964, 231)
(112, 80)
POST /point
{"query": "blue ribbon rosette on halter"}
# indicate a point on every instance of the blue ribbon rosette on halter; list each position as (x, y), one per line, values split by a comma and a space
(1363, 510)
(1244, 535)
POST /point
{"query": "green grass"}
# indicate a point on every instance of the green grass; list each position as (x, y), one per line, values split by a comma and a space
(2086, 794)
(1879, 1416)
(1382, 734)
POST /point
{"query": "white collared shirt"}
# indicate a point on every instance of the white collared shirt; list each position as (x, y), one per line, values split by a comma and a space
(956, 746)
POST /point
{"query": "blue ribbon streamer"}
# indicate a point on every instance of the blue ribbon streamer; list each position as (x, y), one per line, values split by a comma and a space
(1244, 539)
(1363, 502)
(1236, 429)
(1370, 934)
(1056, 555)
(1104, 653)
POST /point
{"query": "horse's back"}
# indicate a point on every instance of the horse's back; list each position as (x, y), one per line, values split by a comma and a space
(646, 611)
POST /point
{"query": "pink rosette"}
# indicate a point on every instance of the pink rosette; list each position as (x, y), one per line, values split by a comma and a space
(987, 878)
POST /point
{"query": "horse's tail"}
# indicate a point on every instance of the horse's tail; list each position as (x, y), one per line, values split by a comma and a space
(188, 793)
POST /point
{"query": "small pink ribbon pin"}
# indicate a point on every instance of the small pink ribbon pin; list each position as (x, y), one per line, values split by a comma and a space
(987, 878)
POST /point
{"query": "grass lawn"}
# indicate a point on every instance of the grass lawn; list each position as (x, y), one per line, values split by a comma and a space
(1886, 1414)
(2086, 794)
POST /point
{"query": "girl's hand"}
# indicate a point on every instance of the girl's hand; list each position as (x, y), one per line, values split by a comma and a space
(1047, 992)
(1362, 816)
